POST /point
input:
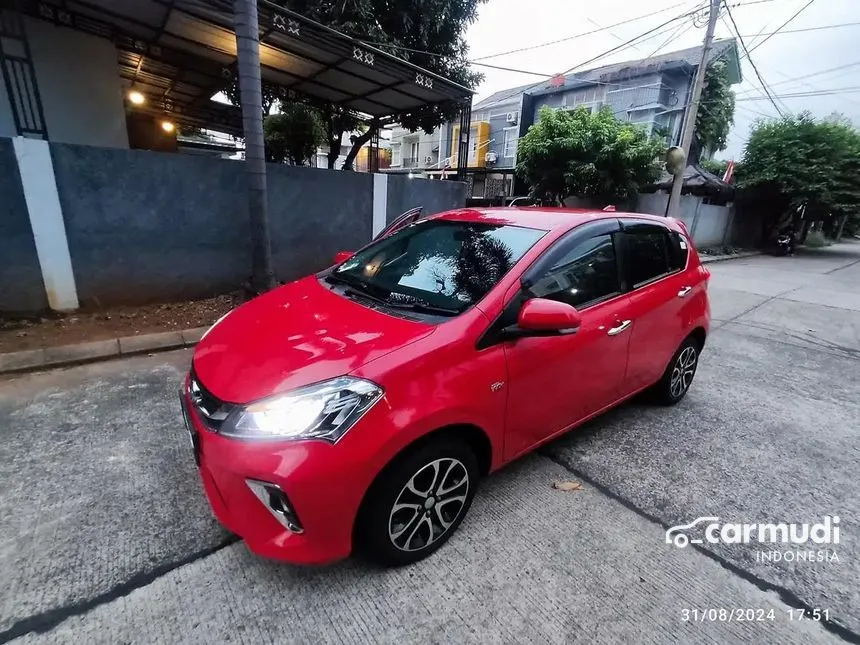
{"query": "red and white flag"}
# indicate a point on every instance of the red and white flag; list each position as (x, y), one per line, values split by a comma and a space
(730, 171)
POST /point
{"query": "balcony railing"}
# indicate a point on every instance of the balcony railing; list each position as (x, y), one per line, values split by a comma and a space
(410, 162)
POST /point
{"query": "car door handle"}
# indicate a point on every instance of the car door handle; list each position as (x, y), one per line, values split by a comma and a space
(684, 291)
(620, 327)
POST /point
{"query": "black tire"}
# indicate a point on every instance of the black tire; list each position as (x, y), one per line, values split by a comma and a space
(396, 538)
(676, 380)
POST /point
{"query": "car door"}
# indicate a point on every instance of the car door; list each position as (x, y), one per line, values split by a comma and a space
(653, 258)
(556, 381)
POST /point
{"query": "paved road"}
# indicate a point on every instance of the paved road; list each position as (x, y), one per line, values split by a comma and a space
(105, 536)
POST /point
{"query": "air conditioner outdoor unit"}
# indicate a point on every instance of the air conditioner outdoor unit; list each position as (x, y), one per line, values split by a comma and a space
(428, 159)
(490, 157)
(511, 117)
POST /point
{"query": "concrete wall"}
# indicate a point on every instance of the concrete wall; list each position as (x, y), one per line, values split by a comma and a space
(313, 214)
(709, 225)
(433, 195)
(21, 286)
(148, 226)
(79, 84)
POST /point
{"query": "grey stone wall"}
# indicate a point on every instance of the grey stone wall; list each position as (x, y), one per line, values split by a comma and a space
(21, 286)
(148, 226)
(434, 195)
(313, 214)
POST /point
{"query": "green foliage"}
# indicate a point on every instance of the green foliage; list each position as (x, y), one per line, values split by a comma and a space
(716, 110)
(588, 155)
(293, 135)
(800, 160)
(714, 166)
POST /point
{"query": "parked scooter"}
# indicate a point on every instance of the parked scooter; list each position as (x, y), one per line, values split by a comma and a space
(784, 243)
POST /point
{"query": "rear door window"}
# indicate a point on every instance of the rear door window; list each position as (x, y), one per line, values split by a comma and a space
(678, 249)
(646, 253)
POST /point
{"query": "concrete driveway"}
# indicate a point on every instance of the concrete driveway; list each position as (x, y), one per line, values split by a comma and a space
(105, 535)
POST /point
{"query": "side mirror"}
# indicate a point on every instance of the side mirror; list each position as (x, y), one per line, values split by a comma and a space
(343, 256)
(544, 316)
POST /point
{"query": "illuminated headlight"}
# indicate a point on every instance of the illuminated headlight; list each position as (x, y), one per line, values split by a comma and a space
(321, 411)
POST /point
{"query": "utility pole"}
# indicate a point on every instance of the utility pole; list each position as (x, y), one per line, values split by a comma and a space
(247, 28)
(693, 109)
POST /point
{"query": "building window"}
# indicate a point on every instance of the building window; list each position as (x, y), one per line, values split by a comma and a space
(511, 138)
(473, 146)
(395, 154)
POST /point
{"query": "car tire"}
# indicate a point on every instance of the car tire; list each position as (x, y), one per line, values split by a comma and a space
(676, 380)
(417, 502)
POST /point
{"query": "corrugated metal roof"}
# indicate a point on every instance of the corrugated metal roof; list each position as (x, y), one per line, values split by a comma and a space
(181, 52)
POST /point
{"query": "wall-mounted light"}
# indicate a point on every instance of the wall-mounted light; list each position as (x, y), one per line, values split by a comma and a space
(136, 98)
(168, 126)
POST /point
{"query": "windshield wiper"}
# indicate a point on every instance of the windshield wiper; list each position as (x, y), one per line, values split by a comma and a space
(364, 288)
(425, 308)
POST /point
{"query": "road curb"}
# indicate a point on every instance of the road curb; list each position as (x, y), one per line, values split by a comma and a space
(722, 258)
(35, 359)
(50, 357)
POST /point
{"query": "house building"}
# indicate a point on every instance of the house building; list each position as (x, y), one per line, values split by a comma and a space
(654, 93)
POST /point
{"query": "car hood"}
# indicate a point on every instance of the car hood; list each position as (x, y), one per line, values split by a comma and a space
(292, 336)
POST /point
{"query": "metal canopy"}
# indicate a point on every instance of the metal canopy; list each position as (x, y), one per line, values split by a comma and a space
(180, 52)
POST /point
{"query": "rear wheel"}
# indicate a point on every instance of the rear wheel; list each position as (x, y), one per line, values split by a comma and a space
(676, 380)
(418, 502)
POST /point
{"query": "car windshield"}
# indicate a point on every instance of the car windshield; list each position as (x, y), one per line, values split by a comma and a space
(442, 266)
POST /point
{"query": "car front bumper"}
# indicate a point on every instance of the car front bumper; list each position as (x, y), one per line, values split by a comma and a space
(323, 483)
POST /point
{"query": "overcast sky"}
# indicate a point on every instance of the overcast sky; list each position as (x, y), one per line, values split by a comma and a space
(506, 25)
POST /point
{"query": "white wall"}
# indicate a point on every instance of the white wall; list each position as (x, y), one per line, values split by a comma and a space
(79, 84)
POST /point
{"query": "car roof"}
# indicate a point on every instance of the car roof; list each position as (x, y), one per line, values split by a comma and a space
(543, 218)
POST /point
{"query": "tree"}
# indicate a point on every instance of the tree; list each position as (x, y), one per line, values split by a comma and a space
(270, 94)
(714, 166)
(589, 155)
(293, 135)
(798, 161)
(408, 29)
(716, 111)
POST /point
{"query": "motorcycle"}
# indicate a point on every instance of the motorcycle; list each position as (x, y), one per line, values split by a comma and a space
(784, 244)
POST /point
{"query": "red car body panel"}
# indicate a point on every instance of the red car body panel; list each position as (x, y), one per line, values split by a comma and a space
(520, 393)
(295, 335)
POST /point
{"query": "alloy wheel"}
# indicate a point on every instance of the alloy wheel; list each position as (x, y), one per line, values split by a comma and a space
(683, 371)
(429, 504)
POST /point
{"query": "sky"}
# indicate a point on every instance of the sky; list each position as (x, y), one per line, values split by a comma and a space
(507, 25)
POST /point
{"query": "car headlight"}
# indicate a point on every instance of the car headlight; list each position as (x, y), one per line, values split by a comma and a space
(321, 411)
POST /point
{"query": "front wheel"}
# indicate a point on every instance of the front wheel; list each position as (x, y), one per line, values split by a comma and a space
(676, 380)
(418, 502)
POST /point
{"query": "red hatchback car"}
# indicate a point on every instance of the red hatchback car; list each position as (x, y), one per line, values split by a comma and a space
(361, 406)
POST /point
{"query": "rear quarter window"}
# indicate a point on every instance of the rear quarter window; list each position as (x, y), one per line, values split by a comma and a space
(678, 250)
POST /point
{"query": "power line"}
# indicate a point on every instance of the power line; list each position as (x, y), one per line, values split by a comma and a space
(628, 43)
(821, 92)
(818, 73)
(684, 28)
(755, 69)
(793, 16)
(581, 35)
(802, 29)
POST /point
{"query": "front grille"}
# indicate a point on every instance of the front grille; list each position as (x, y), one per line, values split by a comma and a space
(212, 410)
